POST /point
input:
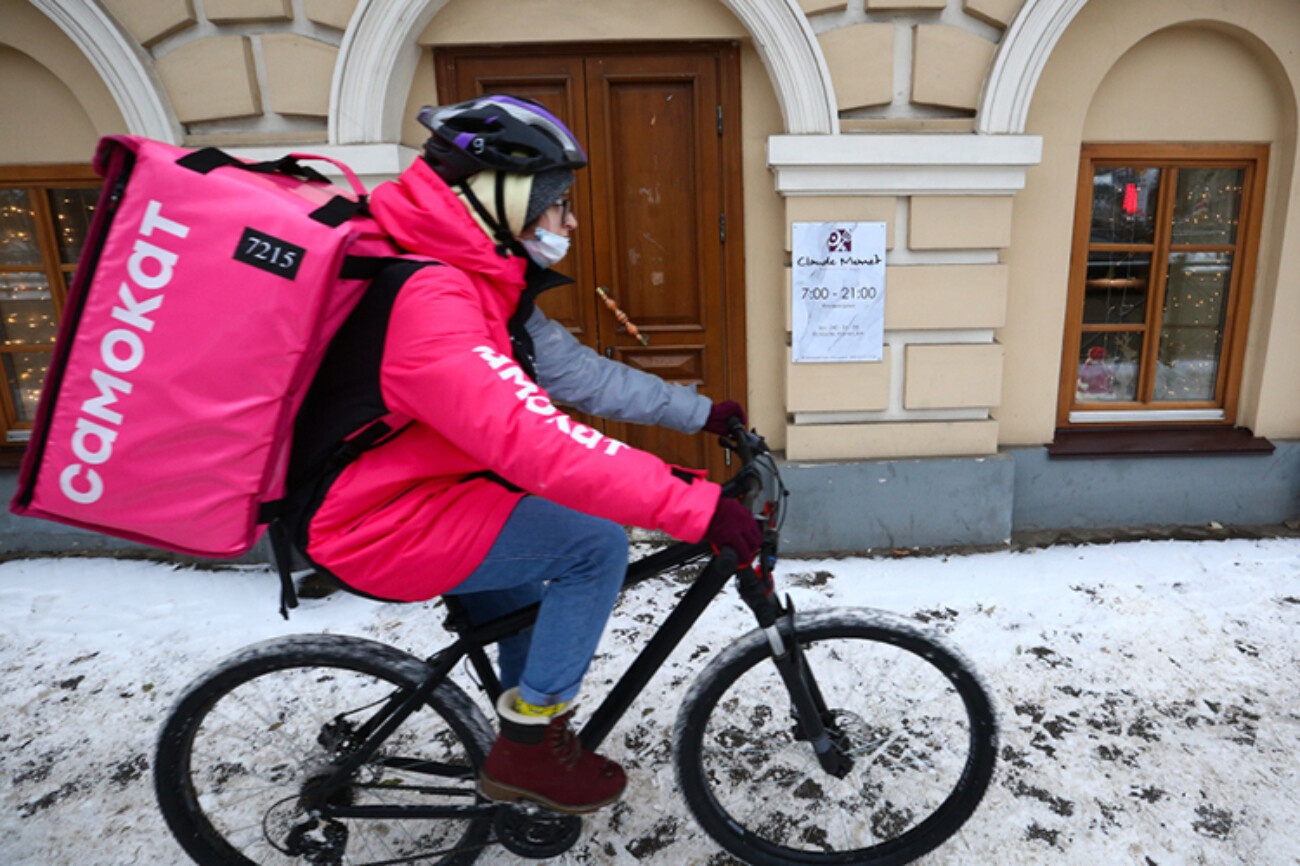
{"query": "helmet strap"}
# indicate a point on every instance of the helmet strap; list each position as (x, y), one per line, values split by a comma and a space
(506, 242)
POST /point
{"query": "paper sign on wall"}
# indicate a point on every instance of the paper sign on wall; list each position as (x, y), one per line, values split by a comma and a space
(839, 292)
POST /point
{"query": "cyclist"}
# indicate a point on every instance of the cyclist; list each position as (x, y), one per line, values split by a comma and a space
(493, 494)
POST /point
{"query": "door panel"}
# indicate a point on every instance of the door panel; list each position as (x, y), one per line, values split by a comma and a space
(649, 209)
(653, 120)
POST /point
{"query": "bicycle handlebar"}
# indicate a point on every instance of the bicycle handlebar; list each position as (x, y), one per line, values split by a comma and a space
(746, 483)
(750, 480)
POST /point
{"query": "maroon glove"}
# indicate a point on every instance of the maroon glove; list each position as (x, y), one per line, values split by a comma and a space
(721, 414)
(733, 526)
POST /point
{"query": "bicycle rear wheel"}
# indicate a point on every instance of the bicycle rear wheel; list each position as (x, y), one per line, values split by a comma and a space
(909, 710)
(246, 740)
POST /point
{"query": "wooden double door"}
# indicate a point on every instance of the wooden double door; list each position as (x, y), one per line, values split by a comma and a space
(658, 209)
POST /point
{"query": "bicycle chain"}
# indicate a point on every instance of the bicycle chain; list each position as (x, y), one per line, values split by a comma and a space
(415, 858)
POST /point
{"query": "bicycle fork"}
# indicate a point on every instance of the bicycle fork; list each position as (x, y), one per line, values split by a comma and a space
(814, 722)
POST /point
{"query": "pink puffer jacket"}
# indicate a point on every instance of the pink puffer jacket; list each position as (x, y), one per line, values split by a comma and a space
(402, 522)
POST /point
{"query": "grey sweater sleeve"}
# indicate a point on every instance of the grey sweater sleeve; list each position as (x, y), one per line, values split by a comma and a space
(578, 376)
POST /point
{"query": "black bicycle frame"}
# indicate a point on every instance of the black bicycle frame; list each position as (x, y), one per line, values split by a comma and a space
(814, 721)
(471, 643)
(474, 639)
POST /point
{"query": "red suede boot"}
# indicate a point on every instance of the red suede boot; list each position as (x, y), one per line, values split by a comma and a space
(539, 758)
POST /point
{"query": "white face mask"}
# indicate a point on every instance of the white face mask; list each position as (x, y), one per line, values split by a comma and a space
(546, 248)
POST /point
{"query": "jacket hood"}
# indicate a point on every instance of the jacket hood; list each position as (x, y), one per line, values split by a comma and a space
(425, 216)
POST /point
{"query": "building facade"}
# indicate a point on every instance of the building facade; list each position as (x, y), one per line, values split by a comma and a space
(1090, 268)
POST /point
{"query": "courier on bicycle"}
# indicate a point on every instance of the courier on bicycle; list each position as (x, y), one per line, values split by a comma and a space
(492, 493)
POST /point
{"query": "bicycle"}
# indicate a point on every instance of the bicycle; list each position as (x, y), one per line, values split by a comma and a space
(326, 749)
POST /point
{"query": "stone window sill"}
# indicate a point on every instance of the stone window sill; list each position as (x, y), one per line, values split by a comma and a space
(1157, 442)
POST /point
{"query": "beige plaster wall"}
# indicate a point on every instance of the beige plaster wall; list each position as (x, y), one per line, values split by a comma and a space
(331, 13)
(472, 22)
(1196, 83)
(996, 12)
(1120, 73)
(231, 11)
(90, 109)
(892, 441)
(43, 122)
(915, 65)
(241, 72)
(298, 73)
(150, 21)
(860, 58)
(213, 78)
(949, 65)
(765, 272)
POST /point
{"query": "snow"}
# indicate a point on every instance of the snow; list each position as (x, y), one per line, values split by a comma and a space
(1149, 696)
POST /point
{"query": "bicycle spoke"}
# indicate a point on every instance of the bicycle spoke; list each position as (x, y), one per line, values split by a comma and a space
(263, 744)
(895, 716)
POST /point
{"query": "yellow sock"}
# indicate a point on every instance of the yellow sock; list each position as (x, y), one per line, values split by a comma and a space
(526, 709)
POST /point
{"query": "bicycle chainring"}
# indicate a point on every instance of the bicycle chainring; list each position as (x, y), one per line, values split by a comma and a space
(533, 832)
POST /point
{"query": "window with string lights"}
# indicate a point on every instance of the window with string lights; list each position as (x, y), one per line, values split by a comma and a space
(1163, 265)
(45, 214)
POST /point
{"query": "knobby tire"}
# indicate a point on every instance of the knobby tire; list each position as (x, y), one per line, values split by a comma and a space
(909, 709)
(242, 743)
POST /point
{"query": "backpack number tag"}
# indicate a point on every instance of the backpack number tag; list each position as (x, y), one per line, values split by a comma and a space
(269, 254)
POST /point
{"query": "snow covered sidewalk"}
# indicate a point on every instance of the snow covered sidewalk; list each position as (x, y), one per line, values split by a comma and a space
(1149, 695)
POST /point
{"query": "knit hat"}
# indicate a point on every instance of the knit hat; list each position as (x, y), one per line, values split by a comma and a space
(516, 194)
(527, 196)
(548, 186)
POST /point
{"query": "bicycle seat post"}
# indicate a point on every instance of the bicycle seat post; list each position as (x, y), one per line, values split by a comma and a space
(459, 624)
(457, 621)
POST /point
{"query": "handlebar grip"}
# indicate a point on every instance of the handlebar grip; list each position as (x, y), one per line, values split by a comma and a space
(743, 447)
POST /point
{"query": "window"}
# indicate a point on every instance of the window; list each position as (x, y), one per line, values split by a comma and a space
(45, 214)
(1160, 283)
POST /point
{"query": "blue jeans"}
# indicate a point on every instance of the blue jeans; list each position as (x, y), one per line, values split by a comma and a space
(574, 565)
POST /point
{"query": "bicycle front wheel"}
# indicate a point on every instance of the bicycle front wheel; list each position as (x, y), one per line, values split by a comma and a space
(908, 710)
(245, 744)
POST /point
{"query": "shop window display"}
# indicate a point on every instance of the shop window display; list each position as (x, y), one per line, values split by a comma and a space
(45, 216)
(1160, 284)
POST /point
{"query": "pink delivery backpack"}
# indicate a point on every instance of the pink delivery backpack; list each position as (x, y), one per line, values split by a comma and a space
(196, 320)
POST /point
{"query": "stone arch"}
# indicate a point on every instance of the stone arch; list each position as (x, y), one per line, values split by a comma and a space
(1070, 65)
(121, 65)
(379, 53)
(1021, 56)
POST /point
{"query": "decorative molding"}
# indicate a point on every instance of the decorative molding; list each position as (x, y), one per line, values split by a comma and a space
(376, 65)
(1021, 56)
(918, 164)
(789, 49)
(122, 65)
(378, 57)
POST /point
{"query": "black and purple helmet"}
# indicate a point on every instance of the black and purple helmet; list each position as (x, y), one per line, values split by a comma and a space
(497, 133)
